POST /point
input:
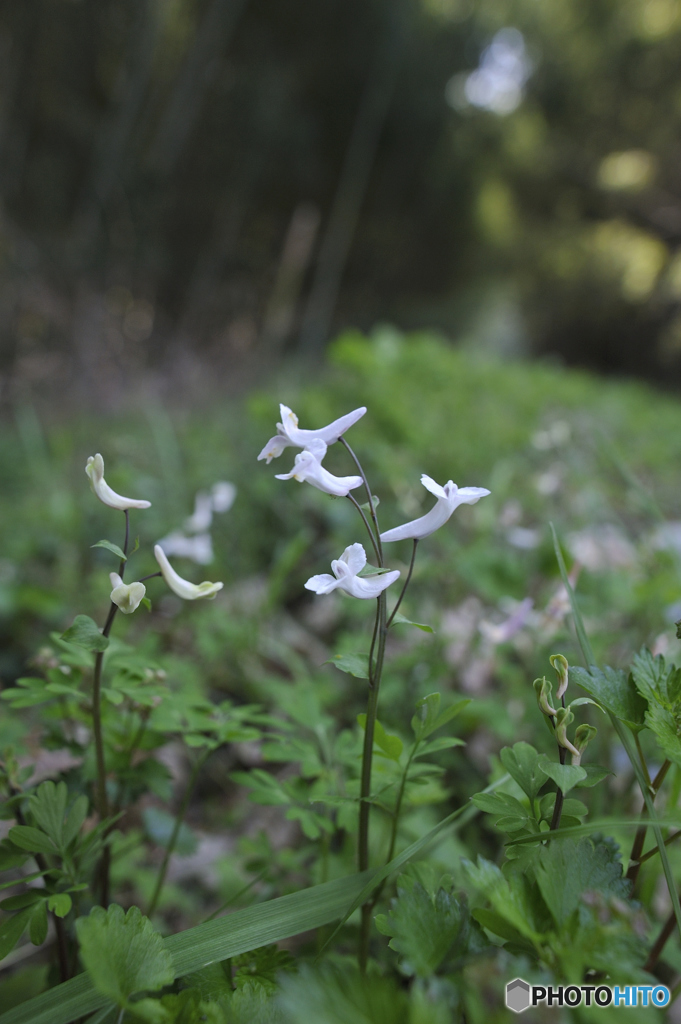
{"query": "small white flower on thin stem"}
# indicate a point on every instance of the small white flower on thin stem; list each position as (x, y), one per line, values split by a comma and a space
(308, 466)
(95, 470)
(183, 588)
(448, 497)
(345, 570)
(289, 433)
(126, 595)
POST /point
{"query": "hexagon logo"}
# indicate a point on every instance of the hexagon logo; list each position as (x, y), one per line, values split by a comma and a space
(517, 995)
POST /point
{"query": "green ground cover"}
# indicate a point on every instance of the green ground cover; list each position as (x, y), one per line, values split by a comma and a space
(238, 695)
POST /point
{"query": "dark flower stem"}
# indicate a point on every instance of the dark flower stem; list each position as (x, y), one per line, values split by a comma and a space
(406, 583)
(102, 797)
(370, 499)
(635, 859)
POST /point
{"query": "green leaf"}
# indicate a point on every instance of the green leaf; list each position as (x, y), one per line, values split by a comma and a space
(565, 870)
(12, 929)
(28, 898)
(85, 633)
(615, 690)
(498, 925)
(245, 929)
(664, 724)
(594, 774)
(353, 664)
(48, 806)
(59, 903)
(565, 776)
(391, 746)
(441, 743)
(521, 761)
(123, 953)
(147, 603)
(28, 692)
(400, 619)
(113, 548)
(75, 819)
(260, 967)
(38, 927)
(31, 839)
(428, 716)
(425, 929)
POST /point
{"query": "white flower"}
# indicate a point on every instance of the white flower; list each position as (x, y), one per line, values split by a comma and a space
(289, 433)
(223, 495)
(448, 497)
(183, 588)
(95, 470)
(308, 466)
(126, 595)
(199, 547)
(202, 515)
(345, 577)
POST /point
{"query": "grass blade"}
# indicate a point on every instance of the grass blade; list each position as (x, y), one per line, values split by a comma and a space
(207, 943)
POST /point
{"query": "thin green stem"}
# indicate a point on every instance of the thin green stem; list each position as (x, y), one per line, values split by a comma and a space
(369, 530)
(406, 583)
(398, 803)
(121, 568)
(365, 787)
(172, 842)
(370, 498)
(558, 806)
(654, 851)
(635, 858)
(661, 941)
(102, 799)
(237, 895)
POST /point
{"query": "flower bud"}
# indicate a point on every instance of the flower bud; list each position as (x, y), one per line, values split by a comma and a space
(583, 735)
(564, 717)
(542, 689)
(560, 664)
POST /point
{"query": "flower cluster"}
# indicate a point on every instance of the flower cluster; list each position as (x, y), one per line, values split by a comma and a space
(308, 467)
(128, 596)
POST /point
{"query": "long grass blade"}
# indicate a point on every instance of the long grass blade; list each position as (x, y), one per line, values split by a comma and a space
(207, 943)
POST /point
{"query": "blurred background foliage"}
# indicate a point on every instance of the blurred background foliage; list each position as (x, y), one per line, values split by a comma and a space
(230, 181)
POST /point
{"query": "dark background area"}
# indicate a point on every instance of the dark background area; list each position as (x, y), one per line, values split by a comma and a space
(226, 183)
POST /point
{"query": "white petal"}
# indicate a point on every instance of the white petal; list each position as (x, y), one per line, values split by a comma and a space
(274, 448)
(432, 486)
(322, 584)
(202, 516)
(198, 548)
(417, 529)
(355, 557)
(308, 468)
(223, 495)
(469, 495)
(127, 596)
(329, 434)
(336, 429)
(95, 470)
(366, 587)
(183, 588)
